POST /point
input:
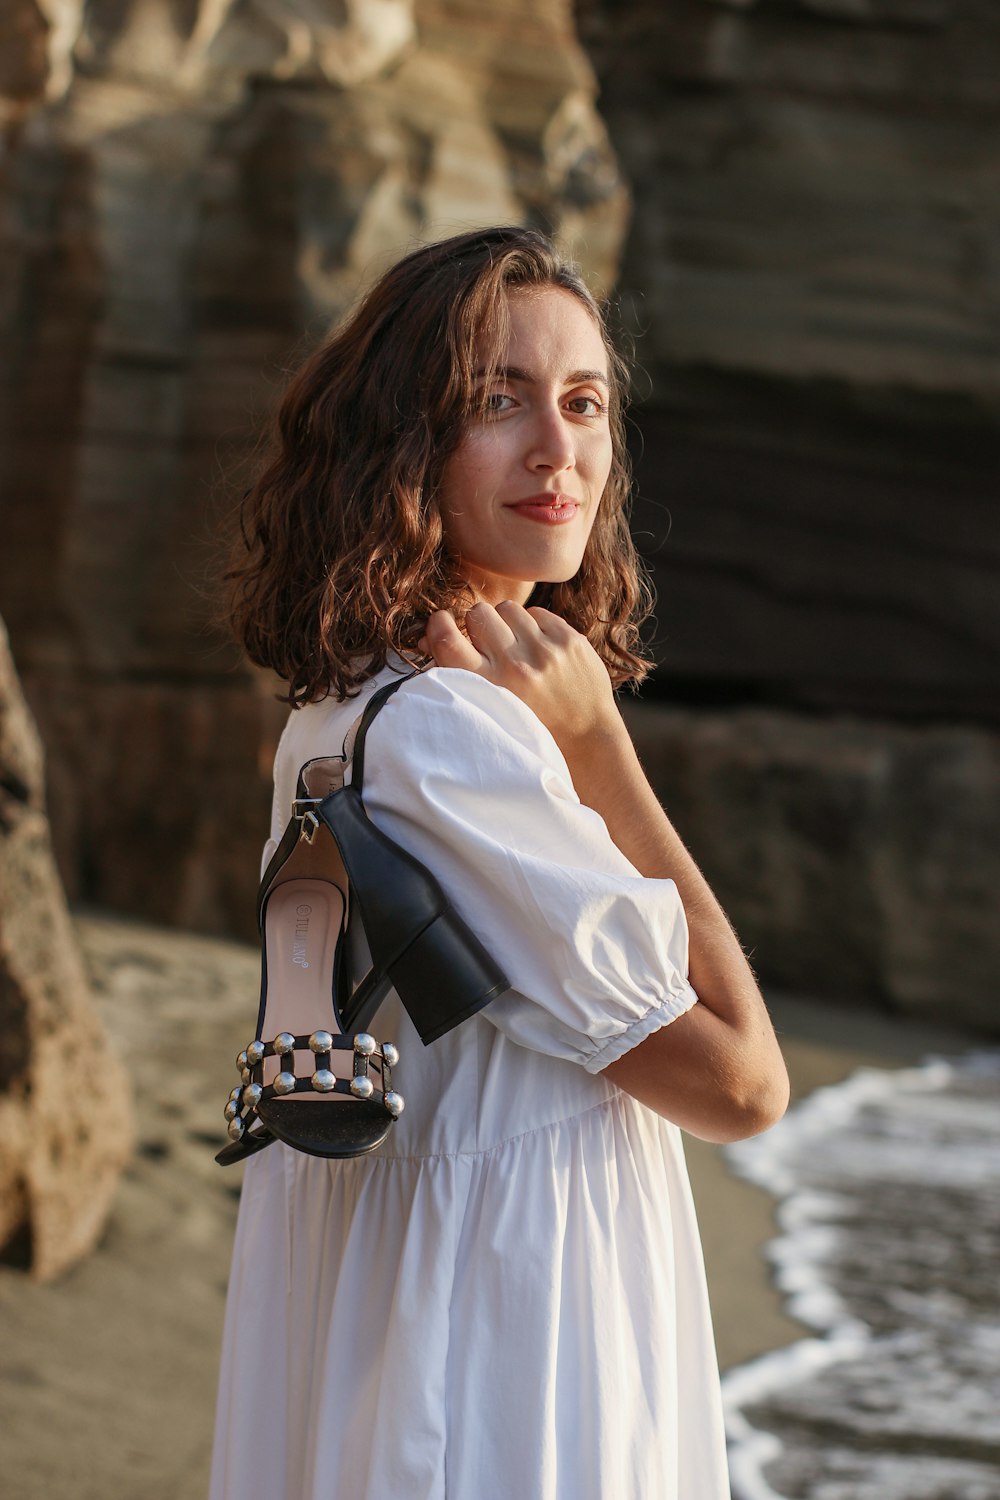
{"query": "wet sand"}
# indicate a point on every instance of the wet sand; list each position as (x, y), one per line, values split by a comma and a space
(107, 1378)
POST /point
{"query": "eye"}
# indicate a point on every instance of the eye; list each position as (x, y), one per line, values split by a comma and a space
(494, 402)
(588, 406)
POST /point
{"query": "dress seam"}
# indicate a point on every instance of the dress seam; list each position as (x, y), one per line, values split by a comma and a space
(499, 1145)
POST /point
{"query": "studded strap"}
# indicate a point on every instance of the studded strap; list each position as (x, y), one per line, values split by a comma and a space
(240, 1111)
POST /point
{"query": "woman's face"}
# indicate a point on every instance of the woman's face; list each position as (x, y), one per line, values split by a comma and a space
(520, 494)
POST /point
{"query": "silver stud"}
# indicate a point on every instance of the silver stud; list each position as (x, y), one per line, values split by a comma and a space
(362, 1088)
(255, 1053)
(321, 1041)
(284, 1043)
(236, 1092)
(323, 1081)
(251, 1095)
(241, 1061)
(365, 1043)
(236, 1130)
(245, 1075)
(231, 1110)
(284, 1083)
(391, 1053)
(393, 1103)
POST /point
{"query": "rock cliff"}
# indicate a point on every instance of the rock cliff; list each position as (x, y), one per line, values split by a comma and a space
(813, 270)
(813, 280)
(192, 195)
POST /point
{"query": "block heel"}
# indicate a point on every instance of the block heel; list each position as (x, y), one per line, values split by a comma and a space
(444, 976)
(419, 944)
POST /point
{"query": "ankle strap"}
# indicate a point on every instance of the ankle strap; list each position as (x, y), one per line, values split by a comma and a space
(372, 707)
(353, 753)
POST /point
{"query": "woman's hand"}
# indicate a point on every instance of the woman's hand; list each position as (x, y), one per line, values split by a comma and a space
(716, 1071)
(537, 656)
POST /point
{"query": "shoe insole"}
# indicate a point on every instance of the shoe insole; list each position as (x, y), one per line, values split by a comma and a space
(304, 927)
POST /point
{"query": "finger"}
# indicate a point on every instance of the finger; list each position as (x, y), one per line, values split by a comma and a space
(488, 632)
(518, 620)
(551, 625)
(448, 646)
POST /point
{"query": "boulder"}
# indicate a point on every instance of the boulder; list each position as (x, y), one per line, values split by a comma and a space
(857, 860)
(65, 1110)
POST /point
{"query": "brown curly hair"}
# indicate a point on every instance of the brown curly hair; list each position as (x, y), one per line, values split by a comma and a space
(341, 555)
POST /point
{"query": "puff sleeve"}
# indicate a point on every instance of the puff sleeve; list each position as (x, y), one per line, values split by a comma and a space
(465, 776)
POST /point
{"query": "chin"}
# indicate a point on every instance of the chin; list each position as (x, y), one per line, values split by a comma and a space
(559, 575)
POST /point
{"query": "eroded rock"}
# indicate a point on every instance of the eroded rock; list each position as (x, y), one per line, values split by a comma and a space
(65, 1114)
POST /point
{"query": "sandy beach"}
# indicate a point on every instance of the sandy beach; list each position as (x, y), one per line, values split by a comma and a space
(108, 1376)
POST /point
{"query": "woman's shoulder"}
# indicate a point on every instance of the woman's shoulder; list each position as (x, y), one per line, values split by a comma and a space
(320, 728)
(441, 720)
(450, 707)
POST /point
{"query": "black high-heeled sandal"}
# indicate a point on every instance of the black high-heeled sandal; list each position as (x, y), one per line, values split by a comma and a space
(334, 865)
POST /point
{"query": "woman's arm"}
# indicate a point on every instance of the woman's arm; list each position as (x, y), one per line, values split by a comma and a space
(716, 1071)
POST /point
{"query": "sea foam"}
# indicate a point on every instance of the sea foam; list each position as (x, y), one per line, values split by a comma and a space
(889, 1217)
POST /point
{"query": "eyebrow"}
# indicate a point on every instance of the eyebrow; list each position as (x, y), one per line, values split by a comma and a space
(515, 372)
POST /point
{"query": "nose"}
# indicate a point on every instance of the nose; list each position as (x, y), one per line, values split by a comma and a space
(550, 448)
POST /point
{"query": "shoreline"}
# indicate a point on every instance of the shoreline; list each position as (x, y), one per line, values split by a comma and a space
(823, 1044)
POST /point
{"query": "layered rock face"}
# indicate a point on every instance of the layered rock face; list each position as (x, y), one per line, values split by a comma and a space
(65, 1105)
(812, 271)
(193, 194)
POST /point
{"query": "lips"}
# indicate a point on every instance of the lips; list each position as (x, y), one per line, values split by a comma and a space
(550, 498)
(550, 507)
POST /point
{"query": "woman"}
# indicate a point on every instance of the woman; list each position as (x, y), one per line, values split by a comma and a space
(506, 1297)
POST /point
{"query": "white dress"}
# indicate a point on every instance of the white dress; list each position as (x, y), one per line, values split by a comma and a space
(507, 1298)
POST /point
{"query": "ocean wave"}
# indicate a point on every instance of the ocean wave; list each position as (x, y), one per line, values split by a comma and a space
(889, 1219)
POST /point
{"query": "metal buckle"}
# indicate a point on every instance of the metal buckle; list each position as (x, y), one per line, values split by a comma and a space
(309, 820)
